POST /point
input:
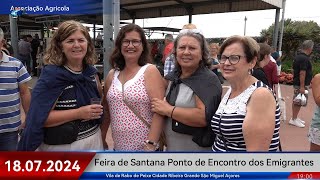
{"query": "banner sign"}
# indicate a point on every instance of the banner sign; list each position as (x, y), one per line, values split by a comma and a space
(52, 7)
(202, 175)
(205, 162)
(154, 165)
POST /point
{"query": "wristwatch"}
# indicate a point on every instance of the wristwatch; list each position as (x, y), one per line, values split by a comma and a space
(151, 142)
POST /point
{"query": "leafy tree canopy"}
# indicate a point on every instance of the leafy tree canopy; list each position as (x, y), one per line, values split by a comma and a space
(295, 32)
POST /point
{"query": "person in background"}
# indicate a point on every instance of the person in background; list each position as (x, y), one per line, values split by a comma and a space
(189, 26)
(276, 56)
(155, 50)
(257, 70)
(169, 64)
(168, 45)
(265, 40)
(215, 67)
(192, 96)
(302, 76)
(62, 116)
(314, 130)
(35, 43)
(268, 66)
(6, 47)
(238, 122)
(129, 88)
(155, 55)
(14, 92)
(24, 51)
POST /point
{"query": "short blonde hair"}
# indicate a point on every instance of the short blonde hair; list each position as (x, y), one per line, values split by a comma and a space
(189, 26)
(216, 45)
(54, 54)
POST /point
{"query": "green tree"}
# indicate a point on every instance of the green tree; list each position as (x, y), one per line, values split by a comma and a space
(295, 32)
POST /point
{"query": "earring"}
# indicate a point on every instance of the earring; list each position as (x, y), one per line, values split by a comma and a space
(250, 71)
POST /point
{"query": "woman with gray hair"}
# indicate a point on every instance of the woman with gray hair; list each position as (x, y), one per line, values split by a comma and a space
(192, 96)
(243, 122)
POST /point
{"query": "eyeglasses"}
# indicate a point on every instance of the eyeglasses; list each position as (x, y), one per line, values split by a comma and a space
(134, 42)
(233, 59)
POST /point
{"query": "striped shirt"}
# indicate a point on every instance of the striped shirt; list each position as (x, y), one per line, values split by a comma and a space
(68, 100)
(231, 114)
(12, 74)
(169, 64)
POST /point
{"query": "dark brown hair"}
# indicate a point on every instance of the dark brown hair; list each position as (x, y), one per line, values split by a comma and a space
(117, 60)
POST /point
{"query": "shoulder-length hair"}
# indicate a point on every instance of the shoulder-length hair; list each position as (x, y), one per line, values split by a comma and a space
(205, 56)
(216, 45)
(265, 49)
(54, 54)
(117, 60)
(250, 46)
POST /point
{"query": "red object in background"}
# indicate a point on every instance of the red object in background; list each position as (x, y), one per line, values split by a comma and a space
(48, 165)
(286, 78)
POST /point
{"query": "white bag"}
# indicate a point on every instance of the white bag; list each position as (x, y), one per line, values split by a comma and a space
(278, 70)
(300, 100)
(303, 100)
(282, 105)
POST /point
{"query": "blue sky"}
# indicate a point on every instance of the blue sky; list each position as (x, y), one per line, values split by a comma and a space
(227, 24)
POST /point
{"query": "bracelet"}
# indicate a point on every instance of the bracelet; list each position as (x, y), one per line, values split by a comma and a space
(146, 145)
(174, 107)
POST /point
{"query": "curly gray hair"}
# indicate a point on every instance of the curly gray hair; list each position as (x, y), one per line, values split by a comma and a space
(195, 33)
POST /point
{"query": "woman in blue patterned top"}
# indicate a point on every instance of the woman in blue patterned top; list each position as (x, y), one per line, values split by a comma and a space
(61, 115)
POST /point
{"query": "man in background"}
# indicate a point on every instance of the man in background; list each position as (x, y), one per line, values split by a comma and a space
(168, 45)
(24, 51)
(13, 89)
(35, 43)
(302, 76)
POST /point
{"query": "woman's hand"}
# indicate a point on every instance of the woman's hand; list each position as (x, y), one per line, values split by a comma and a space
(105, 144)
(90, 112)
(149, 147)
(302, 90)
(161, 107)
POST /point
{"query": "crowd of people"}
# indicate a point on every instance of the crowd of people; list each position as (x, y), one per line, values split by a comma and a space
(179, 108)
